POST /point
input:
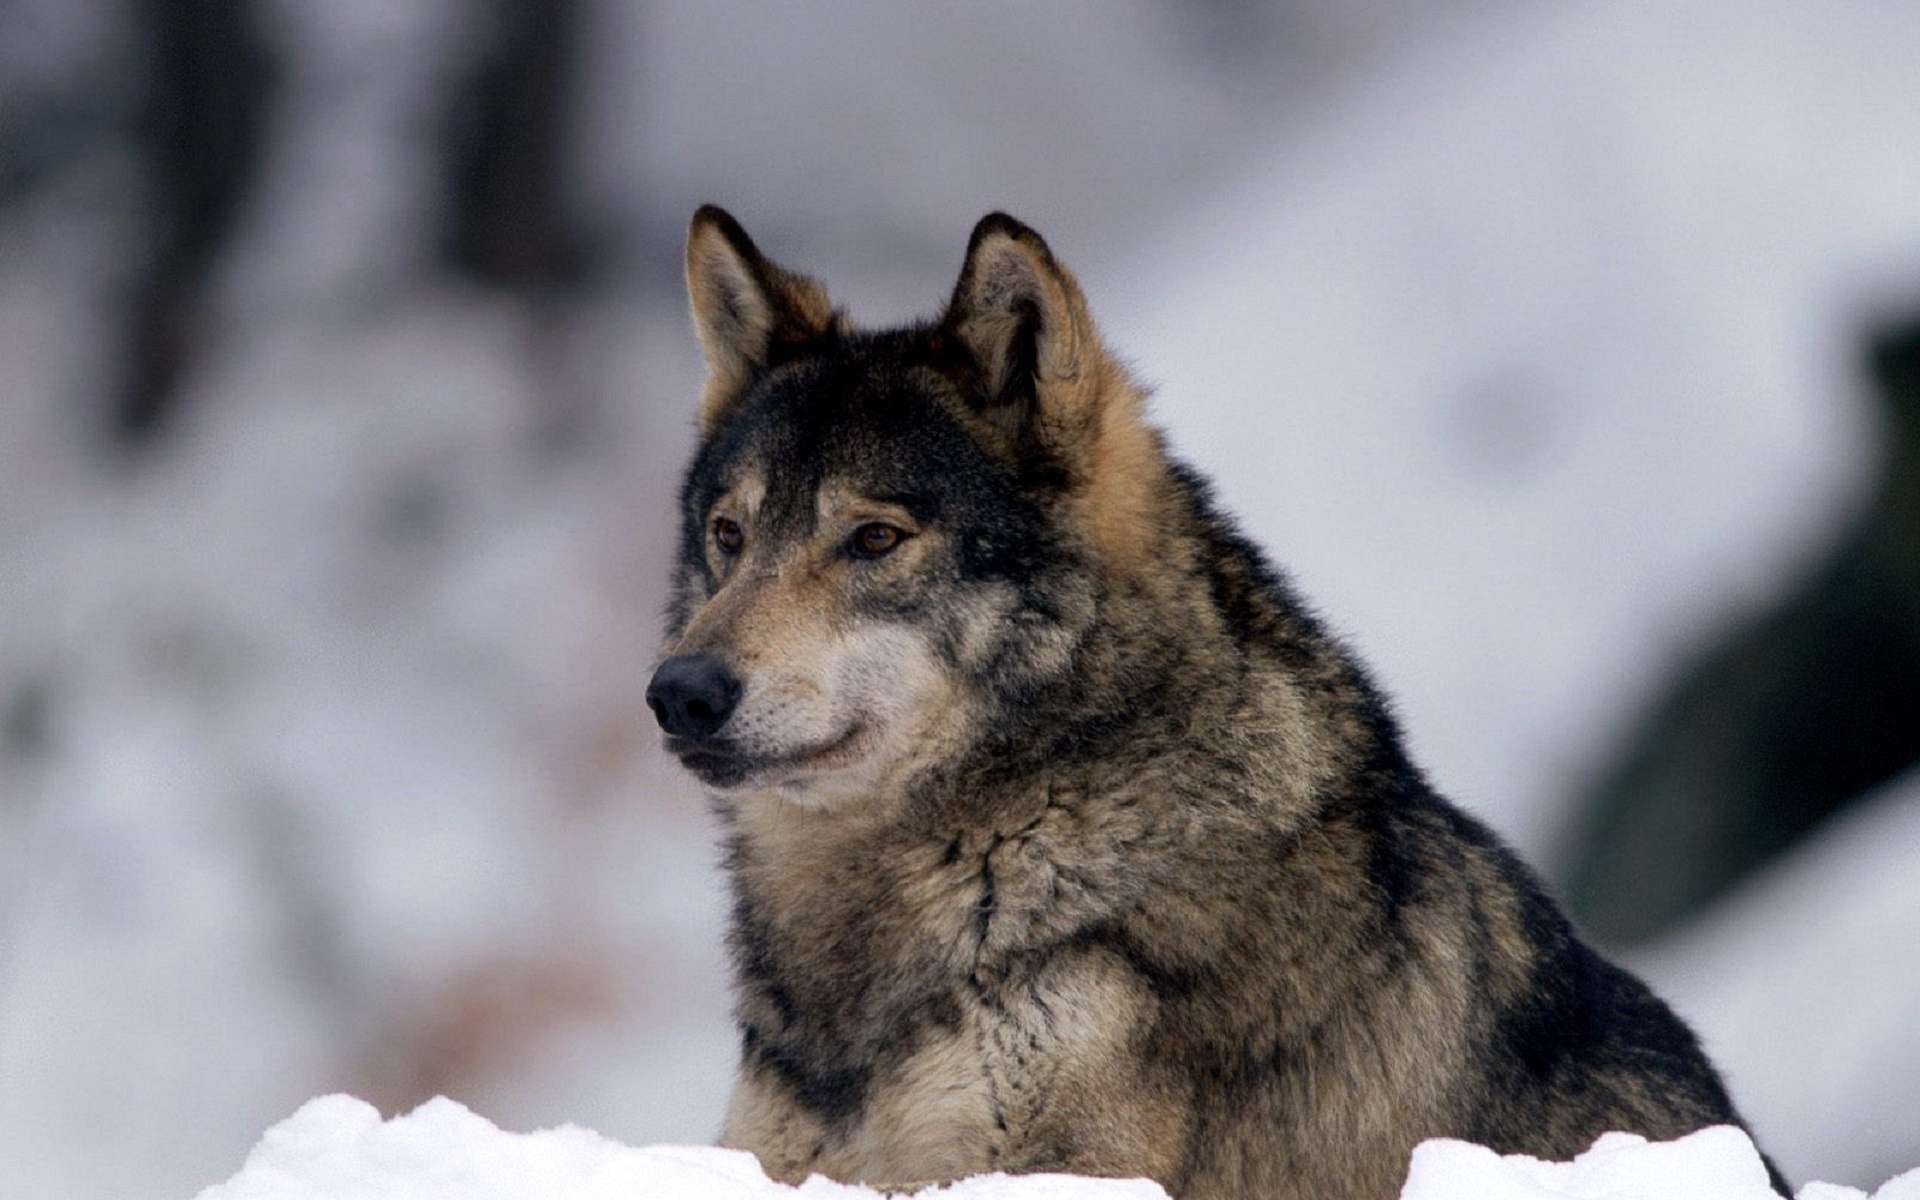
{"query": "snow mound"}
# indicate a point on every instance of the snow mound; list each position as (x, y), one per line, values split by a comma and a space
(1713, 1164)
(338, 1148)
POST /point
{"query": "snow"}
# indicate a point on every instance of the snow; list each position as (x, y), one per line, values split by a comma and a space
(338, 1148)
(1711, 1164)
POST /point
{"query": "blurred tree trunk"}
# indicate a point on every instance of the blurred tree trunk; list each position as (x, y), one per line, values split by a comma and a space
(208, 81)
(505, 139)
(509, 222)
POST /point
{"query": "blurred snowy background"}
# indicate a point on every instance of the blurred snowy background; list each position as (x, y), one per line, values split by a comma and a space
(1566, 353)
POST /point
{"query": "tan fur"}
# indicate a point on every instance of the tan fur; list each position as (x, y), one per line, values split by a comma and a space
(1087, 404)
(811, 679)
(1124, 469)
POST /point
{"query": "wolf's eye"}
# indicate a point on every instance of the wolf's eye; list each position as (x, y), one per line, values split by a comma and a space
(727, 535)
(876, 538)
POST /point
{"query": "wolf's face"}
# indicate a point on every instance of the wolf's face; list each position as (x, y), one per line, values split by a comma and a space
(846, 555)
(879, 547)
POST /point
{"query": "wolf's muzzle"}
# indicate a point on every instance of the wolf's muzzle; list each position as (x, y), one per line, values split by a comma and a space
(692, 695)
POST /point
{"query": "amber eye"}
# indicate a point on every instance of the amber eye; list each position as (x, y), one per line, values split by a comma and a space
(875, 539)
(727, 535)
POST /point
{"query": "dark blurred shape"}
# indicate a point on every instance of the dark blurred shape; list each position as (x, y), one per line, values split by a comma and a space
(506, 127)
(208, 83)
(48, 123)
(1781, 723)
(26, 718)
(504, 140)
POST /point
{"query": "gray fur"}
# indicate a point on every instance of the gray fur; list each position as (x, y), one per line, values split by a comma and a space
(1117, 865)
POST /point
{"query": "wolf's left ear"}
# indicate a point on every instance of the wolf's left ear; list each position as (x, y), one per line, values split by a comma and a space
(1020, 314)
(747, 309)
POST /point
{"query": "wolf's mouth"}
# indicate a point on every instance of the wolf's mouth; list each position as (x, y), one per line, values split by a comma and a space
(723, 764)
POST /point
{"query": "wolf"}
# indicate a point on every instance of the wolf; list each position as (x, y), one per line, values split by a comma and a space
(1061, 835)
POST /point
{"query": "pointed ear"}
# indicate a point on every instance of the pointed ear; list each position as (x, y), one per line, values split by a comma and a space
(1021, 316)
(747, 309)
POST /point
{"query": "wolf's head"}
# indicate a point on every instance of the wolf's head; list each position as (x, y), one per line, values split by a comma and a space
(890, 541)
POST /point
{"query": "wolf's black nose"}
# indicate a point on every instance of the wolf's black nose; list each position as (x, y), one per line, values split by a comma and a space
(692, 695)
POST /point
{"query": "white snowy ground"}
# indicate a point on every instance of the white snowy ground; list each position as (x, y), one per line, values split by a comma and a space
(337, 1148)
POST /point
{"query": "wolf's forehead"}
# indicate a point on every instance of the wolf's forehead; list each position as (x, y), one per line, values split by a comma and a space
(795, 500)
(859, 444)
(781, 485)
(817, 437)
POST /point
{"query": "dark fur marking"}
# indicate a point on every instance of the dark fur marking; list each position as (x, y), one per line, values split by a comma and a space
(834, 1095)
(983, 911)
(1166, 981)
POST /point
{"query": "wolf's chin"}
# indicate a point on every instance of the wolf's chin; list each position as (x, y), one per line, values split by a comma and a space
(724, 767)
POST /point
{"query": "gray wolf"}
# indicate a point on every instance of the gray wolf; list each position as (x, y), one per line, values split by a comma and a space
(1061, 835)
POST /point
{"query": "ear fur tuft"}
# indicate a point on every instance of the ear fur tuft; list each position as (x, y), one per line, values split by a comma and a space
(747, 309)
(1021, 316)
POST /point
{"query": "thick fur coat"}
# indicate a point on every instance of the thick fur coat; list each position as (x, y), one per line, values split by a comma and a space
(1062, 836)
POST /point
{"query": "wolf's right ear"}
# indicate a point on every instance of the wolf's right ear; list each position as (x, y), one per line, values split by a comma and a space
(747, 309)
